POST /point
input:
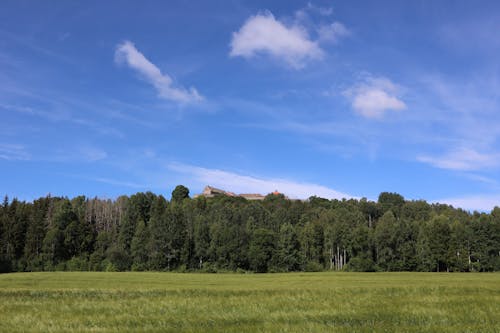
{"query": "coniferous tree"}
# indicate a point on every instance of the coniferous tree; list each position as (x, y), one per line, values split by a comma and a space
(35, 233)
(144, 231)
(158, 231)
(139, 247)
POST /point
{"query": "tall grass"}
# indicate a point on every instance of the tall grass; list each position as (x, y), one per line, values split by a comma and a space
(294, 302)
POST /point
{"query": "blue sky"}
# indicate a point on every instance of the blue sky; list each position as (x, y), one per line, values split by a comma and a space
(329, 98)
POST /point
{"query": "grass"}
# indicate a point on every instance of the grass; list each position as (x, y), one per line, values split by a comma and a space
(294, 302)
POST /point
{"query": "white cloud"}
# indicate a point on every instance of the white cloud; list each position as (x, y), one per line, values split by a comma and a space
(127, 53)
(303, 13)
(373, 98)
(74, 154)
(482, 203)
(479, 178)
(332, 32)
(461, 117)
(249, 184)
(464, 159)
(119, 183)
(263, 34)
(13, 152)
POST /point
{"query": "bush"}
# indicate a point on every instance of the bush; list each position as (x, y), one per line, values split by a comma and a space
(313, 266)
(138, 267)
(60, 267)
(77, 264)
(209, 268)
(96, 262)
(182, 269)
(358, 264)
(35, 264)
(119, 258)
(109, 266)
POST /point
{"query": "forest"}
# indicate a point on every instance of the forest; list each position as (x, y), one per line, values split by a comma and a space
(146, 232)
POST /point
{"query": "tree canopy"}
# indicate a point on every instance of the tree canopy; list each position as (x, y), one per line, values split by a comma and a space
(145, 231)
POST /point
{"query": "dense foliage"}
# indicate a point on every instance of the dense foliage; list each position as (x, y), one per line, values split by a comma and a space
(146, 232)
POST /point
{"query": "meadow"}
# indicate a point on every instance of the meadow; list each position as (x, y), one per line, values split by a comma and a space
(292, 302)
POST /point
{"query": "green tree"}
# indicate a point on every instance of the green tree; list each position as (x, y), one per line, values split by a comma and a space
(360, 249)
(139, 247)
(261, 250)
(180, 193)
(312, 242)
(387, 242)
(55, 248)
(433, 244)
(158, 230)
(35, 233)
(288, 250)
(138, 208)
(370, 210)
(201, 239)
(104, 240)
(5, 261)
(391, 201)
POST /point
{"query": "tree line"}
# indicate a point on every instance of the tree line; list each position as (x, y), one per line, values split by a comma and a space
(147, 232)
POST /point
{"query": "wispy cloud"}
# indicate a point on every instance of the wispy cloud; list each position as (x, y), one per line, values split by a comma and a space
(15, 108)
(253, 184)
(484, 202)
(468, 106)
(317, 19)
(466, 113)
(73, 153)
(119, 183)
(32, 45)
(480, 178)
(472, 35)
(127, 53)
(310, 7)
(13, 152)
(332, 32)
(60, 110)
(264, 34)
(463, 159)
(374, 97)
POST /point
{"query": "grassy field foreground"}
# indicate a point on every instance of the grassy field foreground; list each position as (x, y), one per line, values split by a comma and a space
(295, 302)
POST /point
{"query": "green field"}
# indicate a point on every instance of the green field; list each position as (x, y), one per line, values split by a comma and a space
(294, 302)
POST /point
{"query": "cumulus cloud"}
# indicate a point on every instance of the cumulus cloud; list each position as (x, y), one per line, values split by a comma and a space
(332, 32)
(127, 53)
(264, 34)
(250, 184)
(375, 97)
(463, 159)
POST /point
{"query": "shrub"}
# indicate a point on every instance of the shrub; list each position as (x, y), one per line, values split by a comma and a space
(313, 266)
(358, 264)
(77, 264)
